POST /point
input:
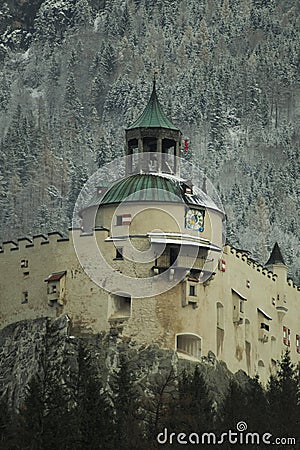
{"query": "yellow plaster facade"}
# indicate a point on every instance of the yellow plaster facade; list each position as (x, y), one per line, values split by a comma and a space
(224, 314)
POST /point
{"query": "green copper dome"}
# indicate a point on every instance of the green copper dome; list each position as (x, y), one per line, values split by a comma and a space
(144, 187)
(153, 188)
(153, 115)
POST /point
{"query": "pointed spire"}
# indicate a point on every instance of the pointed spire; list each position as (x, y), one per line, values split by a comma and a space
(153, 115)
(276, 256)
(155, 73)
(204, 185)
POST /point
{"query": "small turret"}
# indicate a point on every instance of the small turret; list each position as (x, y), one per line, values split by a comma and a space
(276, 263)
(153, 135)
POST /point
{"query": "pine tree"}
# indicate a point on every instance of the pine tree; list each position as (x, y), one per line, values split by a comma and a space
(201, 406)
(46, 420)
(31, 417)
(78, 178)
(60, 421)
(6, 437)
(94, 412)
(4, 91)
(127, 435)
(104, 153)
(234, 407)
(73, 105)
(263, 229)
(12, 212)
(192, 410)
(256, 410)
(283, 399)
(108, 59)
(203, 40)
(156, 403)
(217, 122)
(43, 220)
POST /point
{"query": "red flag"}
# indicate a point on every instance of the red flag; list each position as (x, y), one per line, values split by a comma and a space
(126, 219)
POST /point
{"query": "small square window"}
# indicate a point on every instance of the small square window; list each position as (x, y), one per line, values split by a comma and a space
(52, 288)
(119, 253)
(119, 221)
(24, 297)
(264, 326)
(24, 263)
(26, 274)
(192, 290)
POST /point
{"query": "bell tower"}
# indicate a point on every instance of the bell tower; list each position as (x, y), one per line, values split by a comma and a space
(152, 141)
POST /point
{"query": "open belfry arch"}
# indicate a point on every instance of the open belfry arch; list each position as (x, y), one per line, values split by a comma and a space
(152, 224)
(154, 134)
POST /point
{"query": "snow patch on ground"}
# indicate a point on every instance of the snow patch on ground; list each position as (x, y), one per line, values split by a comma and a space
(97, 22)
(36, 93)
(26, 55)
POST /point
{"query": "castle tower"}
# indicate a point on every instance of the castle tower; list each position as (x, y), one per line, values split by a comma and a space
(276, 263)
(154, 136)
(155, 208)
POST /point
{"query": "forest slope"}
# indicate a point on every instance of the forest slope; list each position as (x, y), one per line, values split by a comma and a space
(75, 73)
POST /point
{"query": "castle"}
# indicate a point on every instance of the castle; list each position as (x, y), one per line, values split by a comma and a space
(149, 263)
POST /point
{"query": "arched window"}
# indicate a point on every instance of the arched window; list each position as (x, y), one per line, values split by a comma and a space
(261, 369)
(189, 344)
(273, 366)
(220, 328)
(168, 155)
(220, 316)
(247, 331)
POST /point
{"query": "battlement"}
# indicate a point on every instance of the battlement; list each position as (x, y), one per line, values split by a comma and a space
(52, 237)
(244, 256)
(30, 242)
(27, 243)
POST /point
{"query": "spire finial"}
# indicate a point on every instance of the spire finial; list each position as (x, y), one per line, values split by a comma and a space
(155, 73)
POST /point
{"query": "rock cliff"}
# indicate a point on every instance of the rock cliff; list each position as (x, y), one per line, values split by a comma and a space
(33, 347)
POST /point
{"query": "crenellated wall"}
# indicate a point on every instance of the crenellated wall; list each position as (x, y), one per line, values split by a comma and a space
(223, 315)
(23, 289)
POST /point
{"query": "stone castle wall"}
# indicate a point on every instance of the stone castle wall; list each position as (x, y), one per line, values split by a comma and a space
(212, 316)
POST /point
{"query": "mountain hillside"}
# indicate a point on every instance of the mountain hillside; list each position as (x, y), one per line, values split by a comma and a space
(75, 73)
